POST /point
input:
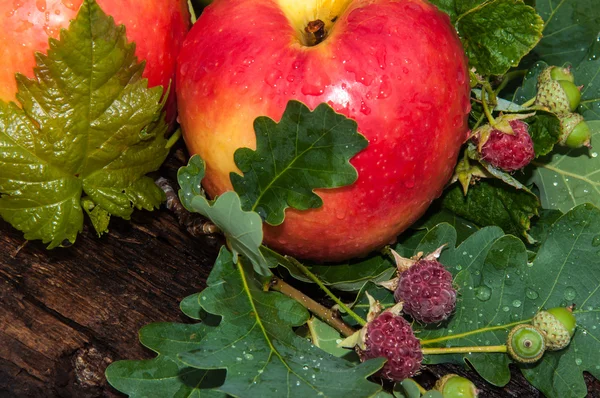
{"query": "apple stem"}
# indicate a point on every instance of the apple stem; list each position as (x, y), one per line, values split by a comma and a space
(324, 288)
(316, 31)
(465, 350)
(328, 316)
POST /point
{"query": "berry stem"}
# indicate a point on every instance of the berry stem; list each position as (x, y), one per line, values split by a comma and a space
(325, 314)
(465, 350)
(472, 332)
(486, 109)
(328, 292)
(508, 78)
(528, 103)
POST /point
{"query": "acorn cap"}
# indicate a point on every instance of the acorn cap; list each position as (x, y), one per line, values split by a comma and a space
(526, 343)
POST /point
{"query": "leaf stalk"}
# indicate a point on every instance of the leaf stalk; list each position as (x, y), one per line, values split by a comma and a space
(465, 350)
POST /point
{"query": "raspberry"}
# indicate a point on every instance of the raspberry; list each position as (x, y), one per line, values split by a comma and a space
(390, 336)
(509, 152)
(426, 291)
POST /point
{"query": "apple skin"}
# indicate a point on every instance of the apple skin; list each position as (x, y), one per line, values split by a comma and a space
(396, 67)
(158, 28)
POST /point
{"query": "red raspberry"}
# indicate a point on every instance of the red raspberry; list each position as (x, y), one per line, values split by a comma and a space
(509, 152)
(426, 291)
(390, 336)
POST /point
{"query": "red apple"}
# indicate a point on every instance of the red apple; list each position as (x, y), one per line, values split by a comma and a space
(396, 67)
(157, 26)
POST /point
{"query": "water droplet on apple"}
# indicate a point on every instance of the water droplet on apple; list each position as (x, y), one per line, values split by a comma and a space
(41, 5)
(364, 109)
(272, 77)
(290, 78)
(309, 89)
(409, 183)
(248, 61)
(405, 70)
(385, 90)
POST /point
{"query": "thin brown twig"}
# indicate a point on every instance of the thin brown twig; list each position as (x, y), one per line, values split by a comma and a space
(327, 315)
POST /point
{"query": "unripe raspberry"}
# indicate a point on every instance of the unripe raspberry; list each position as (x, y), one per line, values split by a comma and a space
(557, 325)
(455, 386)
(526, 343)
(426, 291)
(556, 73)
(558, 96)
(574, 131)
(508, 152)
(390, 336)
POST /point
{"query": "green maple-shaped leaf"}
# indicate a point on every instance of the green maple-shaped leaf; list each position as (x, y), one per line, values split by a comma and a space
(496, 34)
(166, 375)
(242, 229)
(88, 124)
(304, 151)
(570, 31)
(257, 346)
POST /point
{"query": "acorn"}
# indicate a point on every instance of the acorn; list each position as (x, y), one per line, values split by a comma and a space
(557, 326)
(558, 96)
(455, 386)
(556, 73)
(574, 131)
(526, 343)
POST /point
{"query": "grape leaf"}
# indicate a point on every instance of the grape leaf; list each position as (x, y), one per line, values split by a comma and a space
(256, 344)
(88, 124)
(463, 227)
(588, 75)
(304, 151)
(498, 33)
(569, 177)
(491, 202)
(242, 229)
(571, 29)
(165, 375)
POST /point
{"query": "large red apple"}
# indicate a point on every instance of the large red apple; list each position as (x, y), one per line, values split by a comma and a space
(157, 26)
(397, 67)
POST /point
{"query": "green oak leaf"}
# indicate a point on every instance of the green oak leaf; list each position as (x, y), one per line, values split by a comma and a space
(491, 202)
(304, 151)
(349, 276)
(588, 75)
(407, 389)
(166, 375)
(566, 271)
(569, 177)
(88, 125)
(242, 229)
(570, 31)
(257, 346)
(496, 34)
(528, 89)
(327, 338)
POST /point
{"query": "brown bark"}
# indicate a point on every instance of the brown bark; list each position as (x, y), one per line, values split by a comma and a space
(65, 314)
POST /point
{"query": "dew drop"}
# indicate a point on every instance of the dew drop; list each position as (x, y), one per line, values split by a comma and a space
(531, 294)
(505, 308)
(570, 293)
(578, 361)
(483, 293)
(596, 241)
(516, 303)
(249, 356)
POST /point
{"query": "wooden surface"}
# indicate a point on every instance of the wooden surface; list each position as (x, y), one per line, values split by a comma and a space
(66, 314)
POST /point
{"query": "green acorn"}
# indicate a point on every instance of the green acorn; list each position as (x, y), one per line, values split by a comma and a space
(556, 73)
(455, 386)
(526, 343)
(558, 96)
(557, 325)
(574, 131)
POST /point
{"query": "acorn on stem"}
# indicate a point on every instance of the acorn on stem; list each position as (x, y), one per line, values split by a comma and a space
(526, 343)
(574, 131)
(556, 73)
(557, 326)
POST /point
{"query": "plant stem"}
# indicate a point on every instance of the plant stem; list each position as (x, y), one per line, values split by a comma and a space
(528, 103)
(328, 292)
(173, 139)
(472, 332)
(481, 119)
(325, 314)
(486, 109)
(464, 350)
(508, 78)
